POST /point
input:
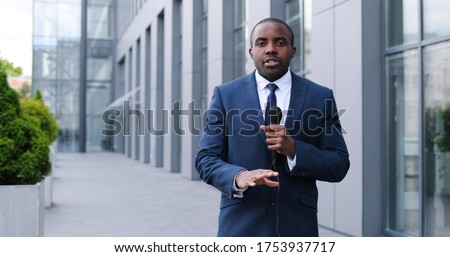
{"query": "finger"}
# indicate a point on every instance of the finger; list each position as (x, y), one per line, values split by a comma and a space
(270, 174)
(270, 183)
(270, 128)
(267, 172)
(274, 147)
(251, 184)
(273, 141)
(276, 134)
(271, 134)
(276, 127)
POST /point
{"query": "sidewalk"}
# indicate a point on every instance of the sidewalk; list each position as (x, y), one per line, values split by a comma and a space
(108, 194)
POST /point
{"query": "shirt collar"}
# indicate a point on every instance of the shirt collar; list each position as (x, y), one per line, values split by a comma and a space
(282, 83)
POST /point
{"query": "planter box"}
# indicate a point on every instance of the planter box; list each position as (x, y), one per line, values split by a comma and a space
(48, 181)
(48, 191)
(22, 210)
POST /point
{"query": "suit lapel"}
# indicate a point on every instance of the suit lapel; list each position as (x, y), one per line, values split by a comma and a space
(298, 93)
(251, 98)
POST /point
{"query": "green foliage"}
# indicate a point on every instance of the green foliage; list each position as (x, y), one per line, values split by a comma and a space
(443, 141)
(9, 107)
(37, 95)
(24, 151)
(36, 108)
(9, 68)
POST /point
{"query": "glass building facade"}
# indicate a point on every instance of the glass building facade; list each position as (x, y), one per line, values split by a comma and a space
(72, 67)
(417, 60)
(99, 63)
(56, 64)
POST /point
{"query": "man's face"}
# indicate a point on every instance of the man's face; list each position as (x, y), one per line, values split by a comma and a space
(271, 50)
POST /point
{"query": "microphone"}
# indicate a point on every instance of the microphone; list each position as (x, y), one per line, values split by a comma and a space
(275, 116)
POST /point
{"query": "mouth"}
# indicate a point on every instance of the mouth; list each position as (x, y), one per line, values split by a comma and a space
(271, 62)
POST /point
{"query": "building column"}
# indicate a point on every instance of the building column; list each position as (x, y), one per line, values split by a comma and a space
(171, 158)
(145, 92)
(83, 64)
(337, 64)
(190, 92)
(157, 89)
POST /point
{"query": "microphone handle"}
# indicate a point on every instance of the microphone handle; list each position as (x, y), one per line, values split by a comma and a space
(275, 116)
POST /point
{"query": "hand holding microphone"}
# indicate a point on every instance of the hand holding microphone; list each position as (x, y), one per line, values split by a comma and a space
(277, 136)
(279, 142)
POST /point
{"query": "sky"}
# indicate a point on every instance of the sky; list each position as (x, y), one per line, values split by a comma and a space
(16, 33)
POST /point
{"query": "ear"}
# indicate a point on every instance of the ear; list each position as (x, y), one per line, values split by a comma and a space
(250, 52)
(293, 51)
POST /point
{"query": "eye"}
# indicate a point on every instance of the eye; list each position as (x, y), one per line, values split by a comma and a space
(259, 43)
(280, 43)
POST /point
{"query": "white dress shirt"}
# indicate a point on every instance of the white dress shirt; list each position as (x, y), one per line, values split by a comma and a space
(283, 93)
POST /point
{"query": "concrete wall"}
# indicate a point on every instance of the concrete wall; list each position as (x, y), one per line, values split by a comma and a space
(157, 83)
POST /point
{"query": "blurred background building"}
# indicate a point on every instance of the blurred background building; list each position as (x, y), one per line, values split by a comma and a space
(73, 45)
(388, 62)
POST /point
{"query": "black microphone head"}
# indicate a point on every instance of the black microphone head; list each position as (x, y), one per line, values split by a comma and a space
(275, 115)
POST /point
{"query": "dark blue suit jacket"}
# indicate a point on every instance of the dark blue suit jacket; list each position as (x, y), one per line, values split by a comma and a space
(233, 141)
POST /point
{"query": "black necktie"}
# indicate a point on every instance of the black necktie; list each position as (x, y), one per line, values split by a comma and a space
(271, 101)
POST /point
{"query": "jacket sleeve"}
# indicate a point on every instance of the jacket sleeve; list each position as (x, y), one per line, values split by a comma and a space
(211, 160)
(329, 161)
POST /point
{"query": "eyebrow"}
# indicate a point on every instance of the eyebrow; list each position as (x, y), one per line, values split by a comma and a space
(277, 38)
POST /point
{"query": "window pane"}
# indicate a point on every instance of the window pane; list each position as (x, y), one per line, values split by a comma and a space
(436, 18)
(205, 6)
(69, 21)
(97, 98)
(239, 37)
(293, 20)
(403, 154)
(99, 25)
(44, 63)
(239, 53)
(307, 28)
(239, 12)
(437, 138)
(292, 8)
(402, 22)
(45, 17)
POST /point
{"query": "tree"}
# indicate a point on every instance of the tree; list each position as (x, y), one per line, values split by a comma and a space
(9, 68)
(24, 151)
(36, 108)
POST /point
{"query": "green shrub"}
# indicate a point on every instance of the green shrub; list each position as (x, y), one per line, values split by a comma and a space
(443, 141)
(9, 107)
(24, 151)
(36, 108)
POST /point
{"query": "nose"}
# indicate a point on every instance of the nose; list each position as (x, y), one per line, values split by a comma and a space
(270, 49)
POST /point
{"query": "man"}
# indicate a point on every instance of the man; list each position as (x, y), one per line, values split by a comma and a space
(237, 144)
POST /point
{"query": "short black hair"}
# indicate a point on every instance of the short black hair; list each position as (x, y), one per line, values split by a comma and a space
(270, 19)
